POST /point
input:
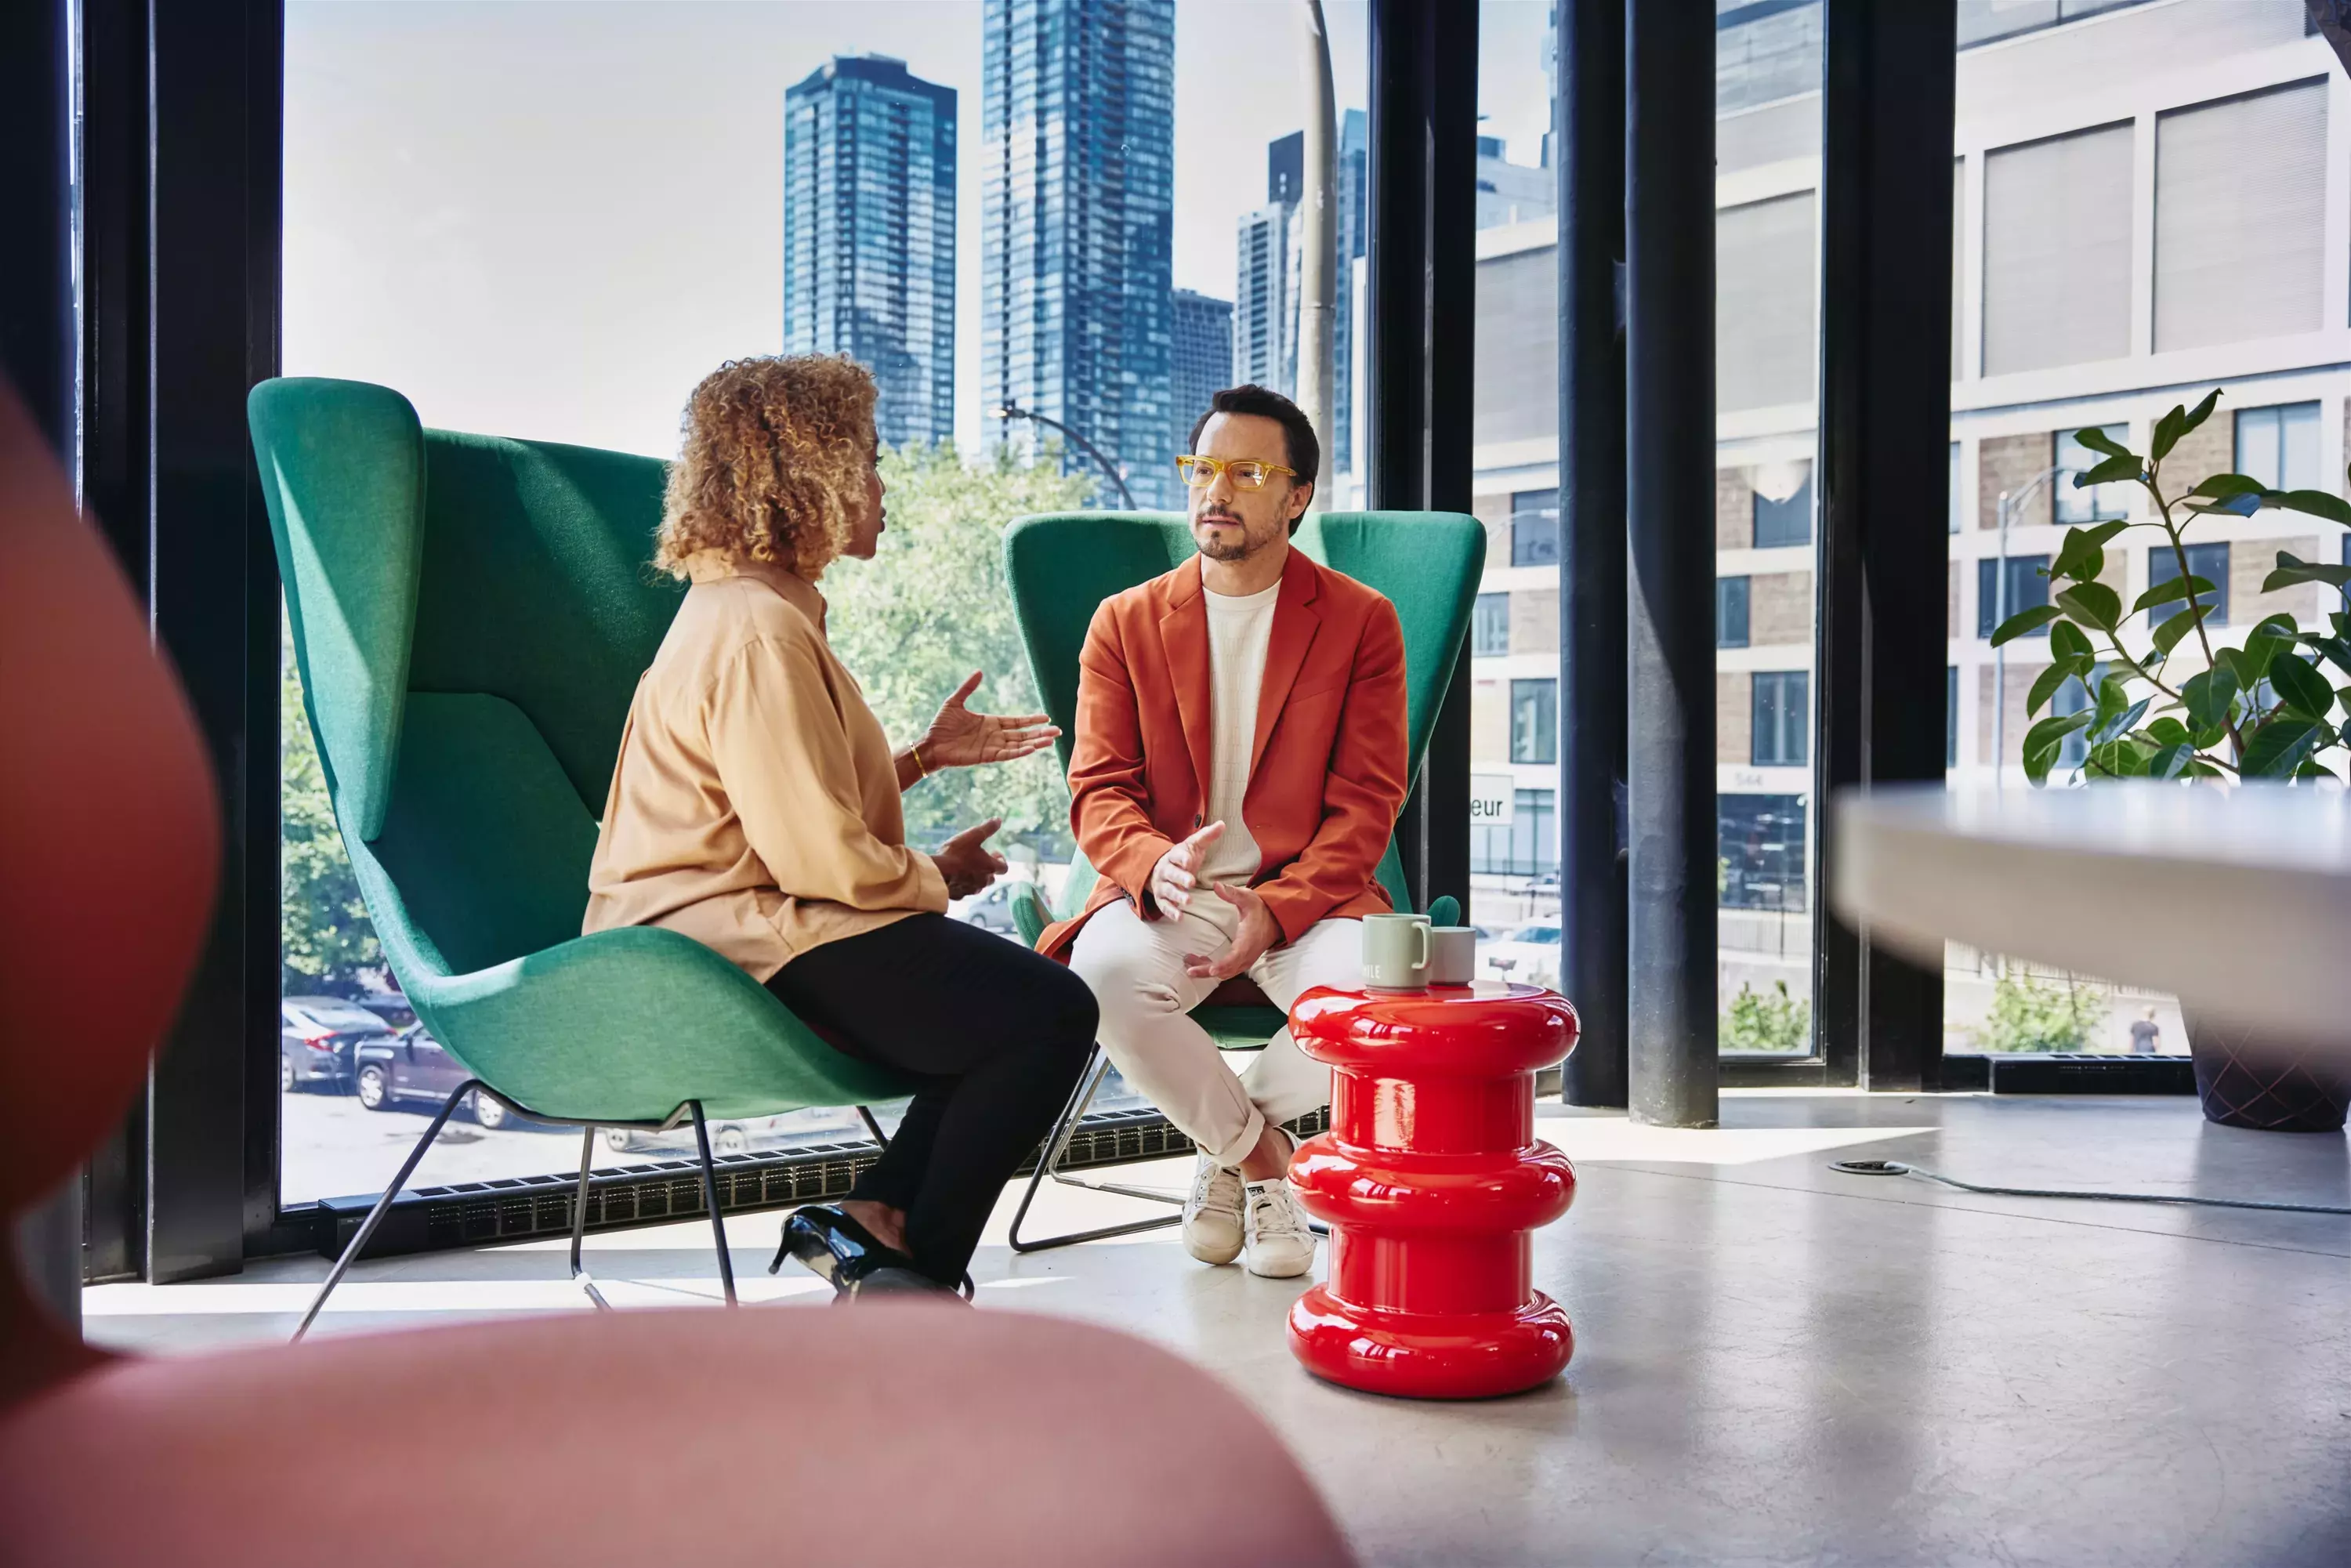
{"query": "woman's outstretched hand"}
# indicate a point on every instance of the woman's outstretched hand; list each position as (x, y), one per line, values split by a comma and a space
(960, 737)
(966, 863)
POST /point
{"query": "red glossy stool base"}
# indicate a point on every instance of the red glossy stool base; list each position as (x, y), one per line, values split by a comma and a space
(1430, 1355)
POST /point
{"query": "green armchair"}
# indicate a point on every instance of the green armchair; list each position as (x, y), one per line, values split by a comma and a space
(1062, 566)
(470, 616)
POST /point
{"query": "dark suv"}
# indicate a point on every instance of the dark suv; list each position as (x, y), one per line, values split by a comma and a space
(318, 1039)
(411, 1066)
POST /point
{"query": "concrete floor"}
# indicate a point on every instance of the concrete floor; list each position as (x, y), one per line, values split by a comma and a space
(1775, 1363)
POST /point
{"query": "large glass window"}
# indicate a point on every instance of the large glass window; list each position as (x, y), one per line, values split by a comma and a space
(1783, 725)
(2088, 503)
(2210, 562)
(1491, 636)
(550, 221)
(1534, 720)
(1730, 611)
(1534, 527)
(2102, 277)
(2027, 580)
(1783, 505)
(2279, 446)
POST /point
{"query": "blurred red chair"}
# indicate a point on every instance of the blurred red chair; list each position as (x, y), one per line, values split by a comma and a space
(889, 1435)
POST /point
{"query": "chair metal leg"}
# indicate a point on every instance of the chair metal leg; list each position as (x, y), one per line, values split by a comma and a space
(710, 1198)
(375, 1215)
(872, 1126)
(580, 1221)
(1057, 1145)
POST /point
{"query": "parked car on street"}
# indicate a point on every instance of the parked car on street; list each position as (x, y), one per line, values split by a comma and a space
(391, 1007)
(1529, 955)
(791, 1129)
(316, 1038)
(411, 1066)
(991, 910)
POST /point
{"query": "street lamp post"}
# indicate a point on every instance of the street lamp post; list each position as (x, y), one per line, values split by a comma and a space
(1014, 411)
(2009, 503)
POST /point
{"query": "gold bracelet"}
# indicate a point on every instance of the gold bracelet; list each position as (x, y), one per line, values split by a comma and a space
(921, 772)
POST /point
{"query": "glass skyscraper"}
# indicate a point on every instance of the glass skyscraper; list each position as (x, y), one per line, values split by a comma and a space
(1267, 277)
(1204, 355)
(869, 234)
(1078, 124)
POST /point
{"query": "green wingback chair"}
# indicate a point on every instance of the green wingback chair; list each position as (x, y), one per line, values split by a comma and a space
(470, 615)
(1062, 566)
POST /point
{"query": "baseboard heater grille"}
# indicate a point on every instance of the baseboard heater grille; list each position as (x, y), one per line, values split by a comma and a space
(524, 1209)
(2068, 1073)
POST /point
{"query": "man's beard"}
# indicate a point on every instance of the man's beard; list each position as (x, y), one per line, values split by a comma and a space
(1217, 549)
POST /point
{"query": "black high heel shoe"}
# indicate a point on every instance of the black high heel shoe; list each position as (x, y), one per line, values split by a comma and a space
(836, 1248)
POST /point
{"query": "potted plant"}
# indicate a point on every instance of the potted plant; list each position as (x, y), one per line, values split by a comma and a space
(2165, 703)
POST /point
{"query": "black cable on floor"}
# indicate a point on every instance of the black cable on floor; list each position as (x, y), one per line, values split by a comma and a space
(1896, 1167)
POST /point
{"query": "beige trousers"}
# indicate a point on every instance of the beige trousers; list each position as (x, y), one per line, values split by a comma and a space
(1136, 968)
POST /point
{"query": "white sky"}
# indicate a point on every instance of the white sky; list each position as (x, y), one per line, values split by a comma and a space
(549, 218)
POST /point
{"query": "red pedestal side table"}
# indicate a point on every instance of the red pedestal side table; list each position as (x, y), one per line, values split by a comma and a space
(1432, 1181)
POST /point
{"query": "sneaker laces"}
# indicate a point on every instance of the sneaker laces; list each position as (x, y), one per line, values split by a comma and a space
(1274, 1211)
(1205, 1180)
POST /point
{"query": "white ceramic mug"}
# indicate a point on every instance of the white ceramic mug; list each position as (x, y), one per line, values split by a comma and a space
(1396, 952)
(1452, 954)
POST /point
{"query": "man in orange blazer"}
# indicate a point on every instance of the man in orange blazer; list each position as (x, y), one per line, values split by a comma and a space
(1237, 770)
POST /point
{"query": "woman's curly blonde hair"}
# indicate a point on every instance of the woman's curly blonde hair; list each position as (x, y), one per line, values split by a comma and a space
(773, 463)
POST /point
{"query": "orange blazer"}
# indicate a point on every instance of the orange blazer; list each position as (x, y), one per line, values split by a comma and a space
(1326, 771)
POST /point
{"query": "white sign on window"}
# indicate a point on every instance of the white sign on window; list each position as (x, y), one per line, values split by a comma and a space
(1491, 796)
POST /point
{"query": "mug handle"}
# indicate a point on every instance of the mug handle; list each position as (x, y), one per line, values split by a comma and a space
(1422, 926)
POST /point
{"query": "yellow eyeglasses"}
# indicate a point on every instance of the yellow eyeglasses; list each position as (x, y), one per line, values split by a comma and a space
(1201, 472)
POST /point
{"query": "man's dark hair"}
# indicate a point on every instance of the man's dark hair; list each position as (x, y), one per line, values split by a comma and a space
(1297, 438)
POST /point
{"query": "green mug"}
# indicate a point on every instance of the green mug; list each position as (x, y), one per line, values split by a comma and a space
(1396, 952)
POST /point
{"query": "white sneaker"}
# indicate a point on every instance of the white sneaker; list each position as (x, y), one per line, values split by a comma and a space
(1212, 1215)
(1280, 1245)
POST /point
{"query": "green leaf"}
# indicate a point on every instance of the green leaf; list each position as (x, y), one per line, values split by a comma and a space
(2201, 770)
(2067, 641)
(2165, 592)
(2094, 603)
(2023, 622)
(2290, 570)
(2045, 684)
(2223, 486)
(2122, 723)
(2119, 758)
(2200, 413)
(2311, 768)
(2207, 695)
(2097, 440)
(2335, 649)
(2301, 686)
(2113, 470)
(2055, 728)
(2317, 503)
(2278, 747)
(2168, 431)
(2239, 506)
(2079, 558)
(2169, 732)
(2167, 762)
(2168, 632)
(2270, 635)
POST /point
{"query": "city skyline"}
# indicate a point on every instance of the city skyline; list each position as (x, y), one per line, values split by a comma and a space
(549, 220)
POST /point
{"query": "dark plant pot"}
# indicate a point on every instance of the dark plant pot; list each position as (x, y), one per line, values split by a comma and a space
(2247, 1080)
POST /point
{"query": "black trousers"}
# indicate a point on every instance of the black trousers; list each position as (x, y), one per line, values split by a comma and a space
(994, 1036)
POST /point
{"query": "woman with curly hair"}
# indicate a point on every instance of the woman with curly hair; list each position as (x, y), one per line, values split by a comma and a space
(755, 806)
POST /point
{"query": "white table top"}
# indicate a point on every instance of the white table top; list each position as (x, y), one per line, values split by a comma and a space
(2239, 902)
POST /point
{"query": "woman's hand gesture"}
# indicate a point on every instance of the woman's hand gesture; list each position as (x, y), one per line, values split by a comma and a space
(966, 863)
(960, 737)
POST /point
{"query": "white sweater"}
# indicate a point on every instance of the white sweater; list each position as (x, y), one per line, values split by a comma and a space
(1240, 627)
